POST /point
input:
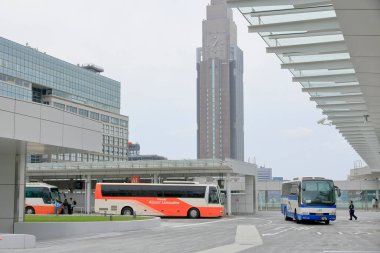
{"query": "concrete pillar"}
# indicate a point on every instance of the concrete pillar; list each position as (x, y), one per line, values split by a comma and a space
(155, 178)
(377, 194)
(20, 190)
(12, 184)
(88, 194)
(228, 191)
(249, 195)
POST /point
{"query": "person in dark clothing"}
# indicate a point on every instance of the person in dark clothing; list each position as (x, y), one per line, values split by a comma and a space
(65, 207)
(352, 211)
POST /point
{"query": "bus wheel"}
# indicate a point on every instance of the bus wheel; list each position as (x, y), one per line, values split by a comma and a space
(285, 216)
(127, 211)
(296, 217)
(193, 213)
(327, 222)
(29, 210)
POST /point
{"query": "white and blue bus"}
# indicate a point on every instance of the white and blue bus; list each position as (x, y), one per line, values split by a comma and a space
(309, 198)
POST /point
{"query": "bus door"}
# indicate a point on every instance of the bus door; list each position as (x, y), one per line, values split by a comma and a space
(293, 199)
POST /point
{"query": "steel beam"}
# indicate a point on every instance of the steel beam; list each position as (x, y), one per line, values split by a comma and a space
(334, 88)
(319, 48)
(339, 78)
(343, 106)
(311, 65)
(346, 98)
(257, 3)
(320, 24)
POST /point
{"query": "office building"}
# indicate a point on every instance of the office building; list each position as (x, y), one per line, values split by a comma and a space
(264, 174)
(220, 114)
(28, 74)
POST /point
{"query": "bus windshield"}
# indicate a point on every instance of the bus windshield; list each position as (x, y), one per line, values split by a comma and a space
(213, 196)
(55, 194)
(318, 192)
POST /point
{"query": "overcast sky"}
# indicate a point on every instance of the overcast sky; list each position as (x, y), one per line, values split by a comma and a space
(149, 46)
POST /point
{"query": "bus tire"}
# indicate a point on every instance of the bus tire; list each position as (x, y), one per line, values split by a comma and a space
(29, 210)
(327, 222)
(296, 217)
(193, 213)
(127, 210)
(285, 215)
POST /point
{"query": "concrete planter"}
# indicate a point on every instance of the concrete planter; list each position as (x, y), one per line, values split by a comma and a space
(50, 230)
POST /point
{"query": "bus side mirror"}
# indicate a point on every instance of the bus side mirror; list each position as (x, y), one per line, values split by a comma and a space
(294, 191)
(338, 192)
(222, 198)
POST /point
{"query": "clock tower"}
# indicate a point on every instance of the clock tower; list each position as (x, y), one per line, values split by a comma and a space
(219, 87)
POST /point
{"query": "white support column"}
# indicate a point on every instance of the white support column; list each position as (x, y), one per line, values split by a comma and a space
(228, 189)
(88, 194)
(12, 185)
(155, 178)
(20, 170)
(249, 195)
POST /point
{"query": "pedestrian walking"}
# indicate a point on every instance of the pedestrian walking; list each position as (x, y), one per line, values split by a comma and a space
(374, 203)
(352, 211)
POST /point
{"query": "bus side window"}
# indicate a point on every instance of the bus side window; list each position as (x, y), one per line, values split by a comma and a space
(46, 196)
(213, 196)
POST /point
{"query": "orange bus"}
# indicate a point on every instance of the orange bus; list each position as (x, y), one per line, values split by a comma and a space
(191, 200)
(40, 198)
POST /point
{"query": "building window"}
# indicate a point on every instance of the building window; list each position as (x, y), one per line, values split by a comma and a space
(123, 123)
(83, 112)
(59, 105)
(71, 109)
(114, 121)
(105, 118)
(94, 115)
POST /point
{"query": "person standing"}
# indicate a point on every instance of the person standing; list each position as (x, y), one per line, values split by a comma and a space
(352, 211)
(57, 205)
(374, 203)
(70, 203)
(65, 207)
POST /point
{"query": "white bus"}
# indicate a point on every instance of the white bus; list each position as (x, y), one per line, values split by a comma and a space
(309, 198)
(40, 197)
(191, 200)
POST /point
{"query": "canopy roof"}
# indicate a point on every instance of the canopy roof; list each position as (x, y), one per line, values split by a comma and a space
(332, 48)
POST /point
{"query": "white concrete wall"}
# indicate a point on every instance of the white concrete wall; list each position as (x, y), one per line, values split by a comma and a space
(38, 123)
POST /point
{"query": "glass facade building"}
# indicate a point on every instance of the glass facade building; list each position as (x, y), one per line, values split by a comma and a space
(28, 74)
(31, 71)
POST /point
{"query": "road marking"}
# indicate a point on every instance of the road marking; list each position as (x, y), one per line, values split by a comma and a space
(223, 220)
(319, 233)
(246, 237)
(340, 233)
(205, 223)
(284, 229)
(350, 251)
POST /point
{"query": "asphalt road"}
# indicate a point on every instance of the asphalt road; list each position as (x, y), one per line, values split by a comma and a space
(265, 232)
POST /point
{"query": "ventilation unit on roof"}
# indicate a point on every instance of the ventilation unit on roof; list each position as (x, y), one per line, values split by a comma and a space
(93, 67)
